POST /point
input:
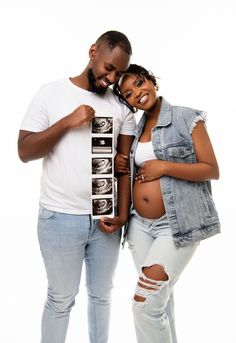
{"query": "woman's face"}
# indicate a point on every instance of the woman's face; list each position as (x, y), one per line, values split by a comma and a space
(138, 92)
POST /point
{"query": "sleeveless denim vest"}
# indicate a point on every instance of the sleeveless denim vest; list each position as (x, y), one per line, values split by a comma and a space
(189, 205)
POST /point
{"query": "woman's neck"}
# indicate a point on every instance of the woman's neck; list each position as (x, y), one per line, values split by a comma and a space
(153, 113)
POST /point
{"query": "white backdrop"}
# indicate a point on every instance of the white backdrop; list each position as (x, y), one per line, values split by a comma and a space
(190, 45)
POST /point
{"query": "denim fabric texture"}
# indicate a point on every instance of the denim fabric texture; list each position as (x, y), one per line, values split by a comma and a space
(189, 206)
(66, 241)
(151, 242)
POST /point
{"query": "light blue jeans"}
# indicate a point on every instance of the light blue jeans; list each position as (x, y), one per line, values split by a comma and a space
(65, 242)
(151, 243)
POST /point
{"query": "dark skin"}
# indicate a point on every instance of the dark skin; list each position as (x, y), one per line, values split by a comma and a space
(110, 225)
(107, 66)
(206, 167)
(141, 94)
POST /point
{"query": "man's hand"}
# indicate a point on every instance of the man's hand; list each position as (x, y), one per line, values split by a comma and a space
(110, 225)
(122, 164)
(82, 115)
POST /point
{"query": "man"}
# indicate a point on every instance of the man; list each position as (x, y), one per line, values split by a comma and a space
(57, 127)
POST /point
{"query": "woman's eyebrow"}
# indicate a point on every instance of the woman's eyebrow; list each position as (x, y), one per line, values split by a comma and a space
(134, 82)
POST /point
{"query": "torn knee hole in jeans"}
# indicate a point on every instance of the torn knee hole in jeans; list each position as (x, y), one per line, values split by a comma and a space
(147, 285)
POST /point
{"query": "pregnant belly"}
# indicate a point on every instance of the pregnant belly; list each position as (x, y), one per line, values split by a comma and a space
(147, 199)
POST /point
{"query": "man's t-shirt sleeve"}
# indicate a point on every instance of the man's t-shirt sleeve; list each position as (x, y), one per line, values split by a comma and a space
(129, 123)
(36, 117)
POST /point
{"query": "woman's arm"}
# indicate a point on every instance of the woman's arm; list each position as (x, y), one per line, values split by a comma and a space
(206, 167)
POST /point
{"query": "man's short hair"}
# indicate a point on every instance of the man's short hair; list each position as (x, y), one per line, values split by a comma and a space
(115, 38)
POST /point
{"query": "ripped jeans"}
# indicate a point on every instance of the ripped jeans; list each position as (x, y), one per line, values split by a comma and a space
(151, 244)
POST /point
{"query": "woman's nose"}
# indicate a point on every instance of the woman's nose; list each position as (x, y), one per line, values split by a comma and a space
(137, 93)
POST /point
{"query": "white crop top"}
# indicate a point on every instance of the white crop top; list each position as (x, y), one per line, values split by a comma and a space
(144, 152)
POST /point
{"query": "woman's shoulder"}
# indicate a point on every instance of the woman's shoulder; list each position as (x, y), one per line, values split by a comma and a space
(188, 115)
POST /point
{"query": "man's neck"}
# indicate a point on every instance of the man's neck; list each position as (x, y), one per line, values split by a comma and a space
(81, 80)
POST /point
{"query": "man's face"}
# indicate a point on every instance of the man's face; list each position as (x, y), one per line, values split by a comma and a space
(106, 67)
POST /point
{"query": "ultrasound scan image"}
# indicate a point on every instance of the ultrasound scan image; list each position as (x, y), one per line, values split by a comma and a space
(102, 145)
(101, 166)
(101, 186)
(102, 206)
(102, 125)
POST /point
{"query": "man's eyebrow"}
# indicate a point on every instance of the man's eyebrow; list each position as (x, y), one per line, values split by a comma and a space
(109, 65)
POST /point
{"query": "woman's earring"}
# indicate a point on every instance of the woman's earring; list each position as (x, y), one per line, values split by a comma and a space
(135, 110)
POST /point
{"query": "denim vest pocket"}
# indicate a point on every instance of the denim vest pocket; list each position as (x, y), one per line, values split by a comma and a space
(182, 153)
(46, 214)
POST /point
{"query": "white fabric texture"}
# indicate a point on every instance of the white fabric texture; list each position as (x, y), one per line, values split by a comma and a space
(144, 152)
(66, 175)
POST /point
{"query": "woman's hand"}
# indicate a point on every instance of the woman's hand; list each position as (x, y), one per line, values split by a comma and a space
(151, 170)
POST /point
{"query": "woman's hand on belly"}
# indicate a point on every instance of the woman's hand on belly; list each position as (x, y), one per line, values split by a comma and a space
(151, 170)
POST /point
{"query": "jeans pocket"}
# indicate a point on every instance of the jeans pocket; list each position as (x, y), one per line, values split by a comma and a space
(46, 214)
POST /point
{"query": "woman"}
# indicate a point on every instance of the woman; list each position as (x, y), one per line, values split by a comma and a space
(172, 161)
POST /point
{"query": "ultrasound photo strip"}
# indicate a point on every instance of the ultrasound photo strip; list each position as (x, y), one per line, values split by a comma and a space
(102, 181)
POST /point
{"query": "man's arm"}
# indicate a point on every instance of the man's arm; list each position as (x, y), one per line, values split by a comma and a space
(110, 225)
(35, 145)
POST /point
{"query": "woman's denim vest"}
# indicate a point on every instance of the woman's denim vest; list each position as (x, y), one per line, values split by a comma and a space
(189, 205)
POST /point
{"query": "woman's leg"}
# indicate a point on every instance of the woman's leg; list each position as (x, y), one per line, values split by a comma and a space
(139, 241)
(163, 264)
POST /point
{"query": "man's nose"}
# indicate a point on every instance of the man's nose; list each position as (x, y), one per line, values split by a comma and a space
(112, 77)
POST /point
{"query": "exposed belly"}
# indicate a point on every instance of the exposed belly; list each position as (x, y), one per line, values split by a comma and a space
(147, 199)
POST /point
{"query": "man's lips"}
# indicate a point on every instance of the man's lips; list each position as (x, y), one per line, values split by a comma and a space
(104, 83)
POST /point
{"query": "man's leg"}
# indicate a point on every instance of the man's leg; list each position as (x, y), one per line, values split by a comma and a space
(62, 239)
(101, 258)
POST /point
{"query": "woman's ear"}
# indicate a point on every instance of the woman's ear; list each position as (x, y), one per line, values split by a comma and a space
(93, 51)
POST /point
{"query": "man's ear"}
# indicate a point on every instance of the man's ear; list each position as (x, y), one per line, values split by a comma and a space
(93, 51)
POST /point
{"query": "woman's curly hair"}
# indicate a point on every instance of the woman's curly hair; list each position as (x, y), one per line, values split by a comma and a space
(139, 71)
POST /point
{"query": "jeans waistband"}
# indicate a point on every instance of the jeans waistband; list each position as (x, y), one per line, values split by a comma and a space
(149, 221)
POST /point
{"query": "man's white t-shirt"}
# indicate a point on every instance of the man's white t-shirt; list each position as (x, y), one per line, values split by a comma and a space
(66, 175)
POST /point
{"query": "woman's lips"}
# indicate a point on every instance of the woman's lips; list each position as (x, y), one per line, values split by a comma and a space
(143, 99)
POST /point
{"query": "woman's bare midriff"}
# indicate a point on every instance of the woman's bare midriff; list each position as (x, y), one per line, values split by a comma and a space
(147, 199)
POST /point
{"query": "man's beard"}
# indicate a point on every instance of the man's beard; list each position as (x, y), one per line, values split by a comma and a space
(92, 84)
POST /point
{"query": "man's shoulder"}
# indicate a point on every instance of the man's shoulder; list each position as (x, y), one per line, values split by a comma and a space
(50, 85)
